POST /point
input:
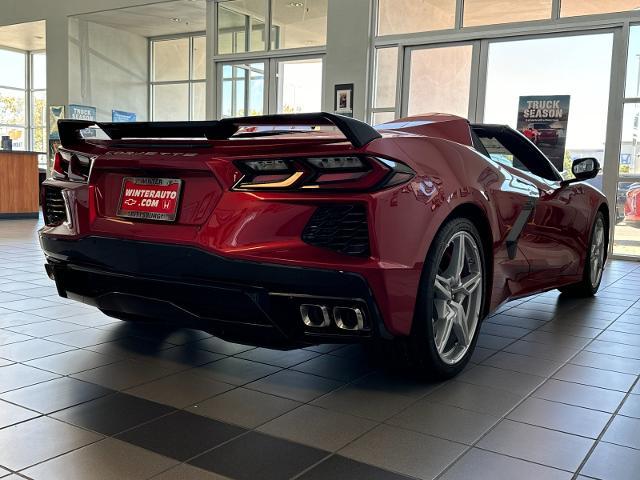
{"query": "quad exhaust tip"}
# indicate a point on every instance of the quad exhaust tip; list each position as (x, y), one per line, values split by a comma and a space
(351, 319)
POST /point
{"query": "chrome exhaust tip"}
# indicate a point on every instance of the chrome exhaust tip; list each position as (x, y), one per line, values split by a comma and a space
(315, 316)
(349, 318)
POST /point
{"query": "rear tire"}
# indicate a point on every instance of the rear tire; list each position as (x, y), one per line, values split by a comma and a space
(449, 306)
(594, 264)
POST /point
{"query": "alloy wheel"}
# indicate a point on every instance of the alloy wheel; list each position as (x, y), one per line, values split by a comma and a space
(596, 255)
(458, 291)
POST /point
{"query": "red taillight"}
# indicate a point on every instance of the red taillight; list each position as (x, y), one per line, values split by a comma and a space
(322, 173)
(60, 166)
(71, 166)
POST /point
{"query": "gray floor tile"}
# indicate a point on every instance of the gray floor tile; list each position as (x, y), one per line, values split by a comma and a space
(113, 414)
(108, 459)
(295, 385)
(624, 431)
(613, 462)
(607, 362)
(580, 395)
(57, 394)
(479, 464)
(493, 342)
(217, 345)
(335, 368)
(18, 450)
(18, 318)
(556, 339)
(123, 374)
(514, 382)
(596, 377)
(341, 468)
(270, 458)
(31, 349)
(476, 398)
(247, 408)
(73, 361)
(404, 451)
(536, 444)
(451, 423)
(237, 371)
(631, 406)
(278, 358)
(188, 472)
(180, 435)
(317, 427)
(8, 336)
(11, 414)
(562, 417)
(523, 364)
(612, 348)
(86, 337)
(542, 350)
(181, 389)
(18, 376)
(45, 329)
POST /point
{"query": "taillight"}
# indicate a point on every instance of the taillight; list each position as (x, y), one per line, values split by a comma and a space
(72, 166)
(357, 173)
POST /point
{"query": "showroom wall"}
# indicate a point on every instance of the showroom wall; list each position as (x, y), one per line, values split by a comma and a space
(104, 63)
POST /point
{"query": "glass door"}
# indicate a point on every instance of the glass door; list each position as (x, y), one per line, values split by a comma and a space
(241, 89)
(258, 87)
(627, 230)
(441, 79)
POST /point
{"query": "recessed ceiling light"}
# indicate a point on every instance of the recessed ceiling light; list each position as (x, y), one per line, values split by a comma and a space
(176, 19)
(296, 4)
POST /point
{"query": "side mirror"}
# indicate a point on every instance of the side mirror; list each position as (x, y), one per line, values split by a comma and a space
(583, 169)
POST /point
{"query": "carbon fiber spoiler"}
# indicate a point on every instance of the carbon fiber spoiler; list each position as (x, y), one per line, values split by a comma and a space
(357, 133)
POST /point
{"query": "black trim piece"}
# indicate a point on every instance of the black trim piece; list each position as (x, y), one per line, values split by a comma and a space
(234, 299)
(518, 227)
(357, 133)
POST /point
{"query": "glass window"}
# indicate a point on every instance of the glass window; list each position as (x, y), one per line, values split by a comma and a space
(171, 60)
(410, 16)
(171, 102)
(490, 12)
(572, 8)
(38, 108)
(241, 26)
(383, 117)
(300, 86)
(199, 58)
(386, 77)
(511, 74)
(440, 80)
(12, 73)
(198, 101)
(12, 107)
(243, 90)
(633, 65)
(18, 136)
(299, 24)
(39, 72)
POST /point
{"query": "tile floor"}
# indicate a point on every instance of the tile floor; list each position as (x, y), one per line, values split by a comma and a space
(552, 393)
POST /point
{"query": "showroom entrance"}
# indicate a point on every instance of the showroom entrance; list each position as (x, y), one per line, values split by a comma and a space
(491, 80)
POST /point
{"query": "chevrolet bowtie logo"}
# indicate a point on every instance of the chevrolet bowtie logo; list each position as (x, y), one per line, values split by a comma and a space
(129, 202)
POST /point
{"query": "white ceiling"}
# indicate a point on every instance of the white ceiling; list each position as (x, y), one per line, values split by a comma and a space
(24, 36)
(166, 18)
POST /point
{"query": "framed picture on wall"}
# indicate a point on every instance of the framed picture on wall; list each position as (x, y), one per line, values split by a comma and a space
(343, 103)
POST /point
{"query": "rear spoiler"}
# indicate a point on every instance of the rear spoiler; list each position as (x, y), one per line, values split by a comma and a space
(357, 133)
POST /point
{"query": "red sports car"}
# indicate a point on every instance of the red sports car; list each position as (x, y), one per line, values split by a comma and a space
(405, 236)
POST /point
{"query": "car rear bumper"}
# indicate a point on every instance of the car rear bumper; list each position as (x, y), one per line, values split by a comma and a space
(244, 301)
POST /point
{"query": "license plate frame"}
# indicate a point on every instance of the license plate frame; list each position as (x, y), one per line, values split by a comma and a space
(145, 184)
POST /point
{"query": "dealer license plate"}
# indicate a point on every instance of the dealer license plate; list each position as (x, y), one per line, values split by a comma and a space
(150, 198)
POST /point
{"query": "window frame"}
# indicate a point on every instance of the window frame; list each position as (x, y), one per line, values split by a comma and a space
(190, 81)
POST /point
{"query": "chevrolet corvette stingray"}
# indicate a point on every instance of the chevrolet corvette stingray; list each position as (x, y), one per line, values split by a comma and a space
(286, 231)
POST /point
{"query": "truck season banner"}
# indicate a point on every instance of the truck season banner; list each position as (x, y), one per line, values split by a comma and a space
(543, 119)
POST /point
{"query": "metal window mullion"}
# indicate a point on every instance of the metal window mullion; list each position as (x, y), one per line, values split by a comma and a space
(190, 76)
(459, 20)
(556, 9)
(268, 25)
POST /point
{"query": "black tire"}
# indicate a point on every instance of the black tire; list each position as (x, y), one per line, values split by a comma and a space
(585, 287)
(418, 352)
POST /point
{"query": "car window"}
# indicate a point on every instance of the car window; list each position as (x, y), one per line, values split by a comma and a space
(509, 147)
(501, 154)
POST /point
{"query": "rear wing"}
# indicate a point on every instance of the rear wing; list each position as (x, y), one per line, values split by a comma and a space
(356, 132)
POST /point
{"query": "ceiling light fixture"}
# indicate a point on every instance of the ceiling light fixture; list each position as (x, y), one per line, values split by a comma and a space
(176, 19)
(296, 4)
